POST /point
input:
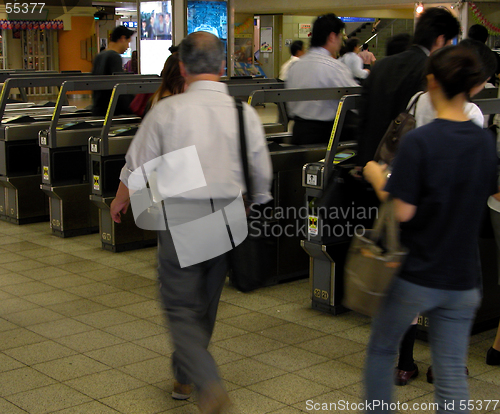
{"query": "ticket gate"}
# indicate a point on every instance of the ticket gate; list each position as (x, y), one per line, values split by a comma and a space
(21, 200)
(334, 200)
(34, 74)
(107, 154)
(65, 161)
(107, 157)
(243, 89)
(289, 177)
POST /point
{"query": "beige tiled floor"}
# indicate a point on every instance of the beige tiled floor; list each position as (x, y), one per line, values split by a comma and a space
(82, 331)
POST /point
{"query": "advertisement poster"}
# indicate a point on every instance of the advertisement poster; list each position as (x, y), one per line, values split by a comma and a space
(305, 30)
(243, 45)
(266, 39)
(156, 35)
(207, 16)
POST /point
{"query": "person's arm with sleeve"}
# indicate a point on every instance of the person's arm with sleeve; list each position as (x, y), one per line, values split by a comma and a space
(404, 183)
(145, 147)
(376, 175)
(260, 165)
(340, 77)
(355, 63)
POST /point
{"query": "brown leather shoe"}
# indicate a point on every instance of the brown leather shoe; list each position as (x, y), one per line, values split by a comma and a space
(181, 391)
(430, 376)
(402, 377)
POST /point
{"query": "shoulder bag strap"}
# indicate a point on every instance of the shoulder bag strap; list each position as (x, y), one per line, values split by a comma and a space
(243, 151)
(414, 104)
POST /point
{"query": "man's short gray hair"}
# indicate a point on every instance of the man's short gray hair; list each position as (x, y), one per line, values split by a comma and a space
(201, 52)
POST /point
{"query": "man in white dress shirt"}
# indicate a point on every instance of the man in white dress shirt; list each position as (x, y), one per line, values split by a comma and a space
(203, 120)
(297, 50)
(318, 68)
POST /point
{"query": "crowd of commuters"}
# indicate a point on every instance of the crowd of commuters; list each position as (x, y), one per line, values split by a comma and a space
(439, 203)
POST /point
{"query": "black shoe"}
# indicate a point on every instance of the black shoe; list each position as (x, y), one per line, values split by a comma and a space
(493, 357)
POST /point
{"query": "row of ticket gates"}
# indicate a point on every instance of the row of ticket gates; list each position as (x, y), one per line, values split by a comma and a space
(61, 164)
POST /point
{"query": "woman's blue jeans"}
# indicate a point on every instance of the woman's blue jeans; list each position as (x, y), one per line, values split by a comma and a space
(451, 314)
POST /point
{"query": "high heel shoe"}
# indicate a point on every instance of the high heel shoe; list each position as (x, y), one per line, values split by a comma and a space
(493, 357)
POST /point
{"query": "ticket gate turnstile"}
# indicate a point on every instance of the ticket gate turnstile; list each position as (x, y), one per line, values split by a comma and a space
(66, 176)
(107, 154)
(105, 173)
(331, 193)
(65, 160)
(21, 200)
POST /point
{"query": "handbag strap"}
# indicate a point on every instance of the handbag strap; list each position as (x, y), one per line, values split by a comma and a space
(414, 104)
(243, 151)
(387, 221)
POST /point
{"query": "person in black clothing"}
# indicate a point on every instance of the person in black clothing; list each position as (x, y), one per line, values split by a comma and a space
(395, 79)
(109, 62)
(385, 94)
(440, 206)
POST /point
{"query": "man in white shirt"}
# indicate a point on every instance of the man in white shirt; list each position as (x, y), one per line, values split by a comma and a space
(318, 69)
(297, 50)
(202, 123)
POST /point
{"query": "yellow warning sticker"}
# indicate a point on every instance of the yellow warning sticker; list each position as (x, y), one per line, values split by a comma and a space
(96, 183)
(313, 225)
(46, 173)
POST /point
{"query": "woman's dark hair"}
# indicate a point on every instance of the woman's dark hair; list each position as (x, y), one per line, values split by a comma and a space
(456, 68)
(172, 80)
(351, 44)
(135, 66)
(397, 44)
(323, 26)
(486, 56)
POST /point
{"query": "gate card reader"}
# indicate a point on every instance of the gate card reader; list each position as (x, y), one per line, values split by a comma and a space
(327, 253)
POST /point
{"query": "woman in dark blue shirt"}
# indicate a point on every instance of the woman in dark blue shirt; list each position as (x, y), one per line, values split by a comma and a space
(441, 180)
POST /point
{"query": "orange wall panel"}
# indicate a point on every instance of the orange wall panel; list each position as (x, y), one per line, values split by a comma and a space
(82, 27)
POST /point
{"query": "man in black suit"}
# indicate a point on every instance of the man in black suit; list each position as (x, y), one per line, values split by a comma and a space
(395, 79)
